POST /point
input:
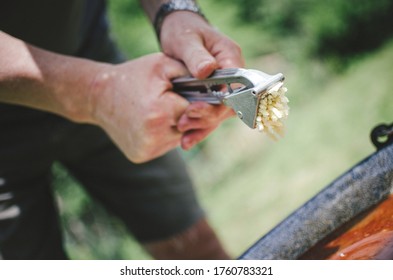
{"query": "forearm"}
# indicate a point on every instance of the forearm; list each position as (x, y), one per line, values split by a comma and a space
(159, 10)
(151, 7)
(43, 80)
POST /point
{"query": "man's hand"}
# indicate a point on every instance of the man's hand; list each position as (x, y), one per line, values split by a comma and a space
(187, 36)
(134, 105)
(132, 101)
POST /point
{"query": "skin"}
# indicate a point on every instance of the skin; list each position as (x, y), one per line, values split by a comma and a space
(114, 96)
(133, 101)
(189, 38)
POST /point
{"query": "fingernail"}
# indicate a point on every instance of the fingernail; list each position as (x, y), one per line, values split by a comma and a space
(202, 65)
(205, 68)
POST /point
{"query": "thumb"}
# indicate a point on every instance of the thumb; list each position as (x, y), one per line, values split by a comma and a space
(198, 59)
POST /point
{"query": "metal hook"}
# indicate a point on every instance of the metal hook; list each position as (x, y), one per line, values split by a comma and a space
(382, 135)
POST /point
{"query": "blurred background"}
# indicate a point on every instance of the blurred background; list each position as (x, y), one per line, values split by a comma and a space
(337, 57)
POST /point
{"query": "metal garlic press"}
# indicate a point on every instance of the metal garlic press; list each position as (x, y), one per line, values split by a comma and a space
(241, 89)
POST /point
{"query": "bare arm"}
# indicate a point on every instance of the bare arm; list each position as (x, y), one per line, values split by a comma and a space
(151, 7)
(132, 101)
(43, 80)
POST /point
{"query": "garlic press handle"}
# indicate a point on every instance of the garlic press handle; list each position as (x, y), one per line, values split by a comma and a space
(212, 89)
(219, 85)
(195, 96)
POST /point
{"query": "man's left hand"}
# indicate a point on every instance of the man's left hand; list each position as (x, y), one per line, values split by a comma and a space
(188, 37)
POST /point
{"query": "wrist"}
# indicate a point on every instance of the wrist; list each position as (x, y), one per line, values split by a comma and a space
(100, 87)
(174, 6)
(72, 89)
(66, 88)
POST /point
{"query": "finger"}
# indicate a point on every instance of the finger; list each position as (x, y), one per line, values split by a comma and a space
(186, 124)
(228, 54)
(193, 137)
(174, 105)
(202, 115)
(203, 109)
(170, 102)
(197, 58)
(172, 68)
(167, 146)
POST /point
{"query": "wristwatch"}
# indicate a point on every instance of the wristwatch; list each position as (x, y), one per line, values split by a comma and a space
(173, 6)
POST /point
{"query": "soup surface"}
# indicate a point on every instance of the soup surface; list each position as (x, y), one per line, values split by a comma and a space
(369, 236)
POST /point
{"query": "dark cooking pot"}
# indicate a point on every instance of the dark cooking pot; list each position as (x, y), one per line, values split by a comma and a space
(313, 229)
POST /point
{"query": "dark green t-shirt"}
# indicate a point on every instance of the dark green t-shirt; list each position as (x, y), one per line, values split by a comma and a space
(70, 27)
(64, 26)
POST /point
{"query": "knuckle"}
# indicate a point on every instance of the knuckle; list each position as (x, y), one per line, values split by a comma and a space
(156, 120)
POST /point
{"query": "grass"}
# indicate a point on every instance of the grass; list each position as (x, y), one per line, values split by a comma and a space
(246, 182)
(261, 181)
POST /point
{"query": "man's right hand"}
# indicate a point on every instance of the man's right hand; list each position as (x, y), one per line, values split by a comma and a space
(134, 105)
(132, 101)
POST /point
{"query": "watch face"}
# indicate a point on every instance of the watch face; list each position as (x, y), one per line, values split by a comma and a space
(187, 5)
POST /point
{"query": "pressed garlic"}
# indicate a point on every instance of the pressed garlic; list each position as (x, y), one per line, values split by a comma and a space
(273, 109)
